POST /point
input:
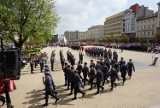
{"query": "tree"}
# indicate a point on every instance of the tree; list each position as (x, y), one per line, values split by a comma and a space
(24, 20)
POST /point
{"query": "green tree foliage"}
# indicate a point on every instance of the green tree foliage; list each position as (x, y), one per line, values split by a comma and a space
(25, 20)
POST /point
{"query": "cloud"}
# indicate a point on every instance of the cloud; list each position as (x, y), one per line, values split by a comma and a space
(82, 14)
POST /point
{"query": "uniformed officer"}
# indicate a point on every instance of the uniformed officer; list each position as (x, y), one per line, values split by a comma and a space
(130, 67)
(85, 71)
(49, 89)
(105, 71)
(52, 59)
(41, 64)
(79, 69)
(91, 76)
(71, 77)
(81, 57)
(77, 83)
(65, 69)
(113, 76)
(123, 72)
(31, 65)
(99, 80)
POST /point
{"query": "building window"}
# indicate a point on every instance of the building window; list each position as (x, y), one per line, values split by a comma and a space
(152, 32)
(148, 33)
(153, 26)
(144, 27)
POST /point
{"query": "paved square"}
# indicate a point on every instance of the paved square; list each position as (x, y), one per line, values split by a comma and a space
(142, 91)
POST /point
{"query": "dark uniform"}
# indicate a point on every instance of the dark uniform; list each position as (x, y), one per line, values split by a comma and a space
(41, 64)
(49, 89)
(105, 70)
(123, 72)
(77, 83)
(52, 60)
(130, 67)
(31, 65)
(79, 69)
(99, 79)
(91, 76)
(113, 76)
(85, 71)
(81, 57)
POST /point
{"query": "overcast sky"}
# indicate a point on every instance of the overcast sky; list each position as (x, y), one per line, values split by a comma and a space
(82, 14)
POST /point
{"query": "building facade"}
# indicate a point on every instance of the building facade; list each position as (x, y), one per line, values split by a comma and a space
(82, 35)
(113, 25)
(71, 36)
(146, 23)
(96, 32)
(129, 23)
(158, 24)
(146, 27)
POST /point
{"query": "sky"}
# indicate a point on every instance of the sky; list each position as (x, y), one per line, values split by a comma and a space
(82, 14)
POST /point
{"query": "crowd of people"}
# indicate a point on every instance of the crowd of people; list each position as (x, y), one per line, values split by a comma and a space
(143, 47)
(94, 74)
(104, 70)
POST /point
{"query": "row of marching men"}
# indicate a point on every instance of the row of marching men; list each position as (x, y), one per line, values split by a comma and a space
(41, 59)
(100, 52)
(99, 72)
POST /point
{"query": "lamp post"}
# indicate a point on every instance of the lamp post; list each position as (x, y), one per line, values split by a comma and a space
(9, 105)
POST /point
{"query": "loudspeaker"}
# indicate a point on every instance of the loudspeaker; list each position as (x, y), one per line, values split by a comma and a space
(13, 63)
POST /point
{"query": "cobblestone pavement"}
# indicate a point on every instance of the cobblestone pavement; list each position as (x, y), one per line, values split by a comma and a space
(142, 91)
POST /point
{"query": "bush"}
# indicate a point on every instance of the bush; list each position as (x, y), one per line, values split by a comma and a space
(31, 50)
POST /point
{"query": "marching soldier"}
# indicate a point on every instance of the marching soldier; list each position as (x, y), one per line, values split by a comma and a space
(91, 76)
(99, 80)
(130, 67)
(77, 83)
(113, 76)
(79, 69)
(85, 71)
(123, 72)
(41, 64)
(81, 57)
(31, 65)
(49, 89)
(52, 60)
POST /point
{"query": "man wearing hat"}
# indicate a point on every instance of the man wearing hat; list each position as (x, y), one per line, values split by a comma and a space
(91, 76)
(49, 88)
(120, 63)
(113, 76)
(130, 67)
(65, 69)
(77, 83)
(99, 80)
(85, 71)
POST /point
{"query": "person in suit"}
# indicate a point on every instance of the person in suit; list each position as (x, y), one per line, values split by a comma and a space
(49, 89)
